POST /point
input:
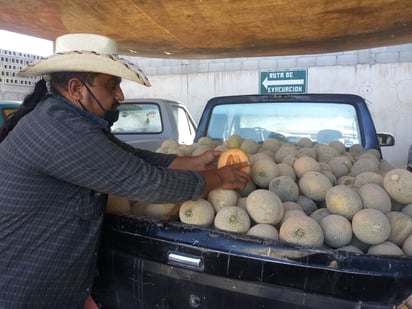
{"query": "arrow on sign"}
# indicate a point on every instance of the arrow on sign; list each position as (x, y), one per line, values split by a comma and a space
(267, 83)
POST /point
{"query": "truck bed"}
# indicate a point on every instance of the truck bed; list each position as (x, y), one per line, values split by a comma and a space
(153, 264)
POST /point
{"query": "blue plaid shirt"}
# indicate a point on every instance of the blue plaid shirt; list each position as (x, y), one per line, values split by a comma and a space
(56, 168)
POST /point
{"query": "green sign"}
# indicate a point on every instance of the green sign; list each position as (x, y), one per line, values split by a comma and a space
(283, 82)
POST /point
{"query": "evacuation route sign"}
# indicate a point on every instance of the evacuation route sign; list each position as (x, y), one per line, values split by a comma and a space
(283, 82)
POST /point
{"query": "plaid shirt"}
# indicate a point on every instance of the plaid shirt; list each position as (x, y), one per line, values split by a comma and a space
(56, 168)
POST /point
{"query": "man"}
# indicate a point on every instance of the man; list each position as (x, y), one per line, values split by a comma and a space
(58, 162)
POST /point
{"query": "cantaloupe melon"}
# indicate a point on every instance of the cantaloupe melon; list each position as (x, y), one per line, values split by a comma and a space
(319, 214)
(250, 146)
(340, 165)
(168, 146)
(368, 177)
(138, 208)
(234, 141)
(385, 248)
(285, 188)
(220, 198)
(407, 246)
(324, 167)
(371, 226)
(241, 202)
(272, 144)
(343, 200)
(291, 213)
(290, 159)
(324, 153)
(364, 164)
(374, 196)
(199, 212)
(207, 141)
(337, 230)
(307, 204)
(286, 170)
(355, 149)
(346, 181)
(158, 211)
(200, 149)
(314, 185)
(384, 167)
(177, 151)
(305, 164)
(398, 183)
(401, 226)
(284, 150)
(264, 206)
(308, 152)
(233, 156)
(407, 209)
(372, 152)
(291, 205)
(267, 151)
(232, 219)
(358, 243)
(265, 231)
(117, 205)
(263, 171)
(260, 155)
(221, 147)
(305, 142)
(350, 248)
(186, 150)
(301, 231)
(330, 176)
(249, 187)
(338, 146)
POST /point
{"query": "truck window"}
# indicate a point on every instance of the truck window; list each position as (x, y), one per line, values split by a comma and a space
(138, 118)
(185, 125)
(289, 121)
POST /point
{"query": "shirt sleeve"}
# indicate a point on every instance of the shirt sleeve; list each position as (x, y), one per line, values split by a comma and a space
(158, 159)
(90, 159)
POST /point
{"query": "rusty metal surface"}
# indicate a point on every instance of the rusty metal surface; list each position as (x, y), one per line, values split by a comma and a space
(197, 29)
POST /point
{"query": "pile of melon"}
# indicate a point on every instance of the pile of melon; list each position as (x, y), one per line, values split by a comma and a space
(303, 194)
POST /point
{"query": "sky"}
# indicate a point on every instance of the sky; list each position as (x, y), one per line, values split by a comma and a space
(26, 44)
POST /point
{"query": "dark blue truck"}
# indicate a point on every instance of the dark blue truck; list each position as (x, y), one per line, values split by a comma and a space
(146, 263)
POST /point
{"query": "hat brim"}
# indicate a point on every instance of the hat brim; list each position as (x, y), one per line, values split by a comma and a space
(86, 61)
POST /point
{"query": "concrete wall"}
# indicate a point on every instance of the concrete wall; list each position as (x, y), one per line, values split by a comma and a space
(383, 76)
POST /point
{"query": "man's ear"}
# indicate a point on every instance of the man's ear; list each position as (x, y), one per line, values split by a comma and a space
(75, 88)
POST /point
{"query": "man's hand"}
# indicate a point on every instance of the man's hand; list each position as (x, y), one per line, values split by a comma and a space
(227, 177)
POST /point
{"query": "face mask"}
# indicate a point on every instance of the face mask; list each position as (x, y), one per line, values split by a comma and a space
(111, 116)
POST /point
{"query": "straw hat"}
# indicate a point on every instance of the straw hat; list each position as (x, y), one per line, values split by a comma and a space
(83, 52)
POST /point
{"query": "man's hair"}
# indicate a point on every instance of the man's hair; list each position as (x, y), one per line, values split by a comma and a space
(57, 80)
(60, 79)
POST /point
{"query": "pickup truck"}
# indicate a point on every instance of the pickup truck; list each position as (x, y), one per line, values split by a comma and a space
(6, 109)
(149, 263)
(146, 123)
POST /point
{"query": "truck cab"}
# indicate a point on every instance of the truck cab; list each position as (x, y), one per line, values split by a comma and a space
(322, 118)
(146, 123)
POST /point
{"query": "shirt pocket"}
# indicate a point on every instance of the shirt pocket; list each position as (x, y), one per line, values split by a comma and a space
(91, 205)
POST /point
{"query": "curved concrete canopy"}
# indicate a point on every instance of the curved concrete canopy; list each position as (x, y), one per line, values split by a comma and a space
(200, 29)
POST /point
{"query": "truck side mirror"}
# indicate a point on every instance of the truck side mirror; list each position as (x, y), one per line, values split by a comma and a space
(386, 139)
